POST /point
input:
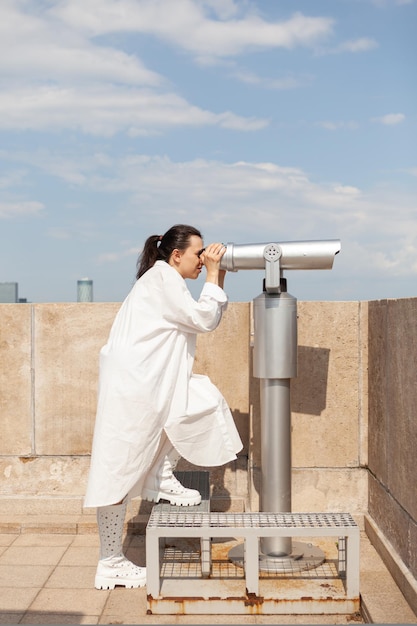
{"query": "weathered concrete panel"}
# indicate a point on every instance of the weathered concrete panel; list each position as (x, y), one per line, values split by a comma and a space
(44, 475)
(68, 338)
(401, 387)
(393, 424)
(327, 490)
(378, 390)
(393, 398)
(391, 518)
(15, 379)
(325, 394)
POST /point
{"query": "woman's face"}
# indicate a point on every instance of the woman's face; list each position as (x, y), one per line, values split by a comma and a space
(188, 262)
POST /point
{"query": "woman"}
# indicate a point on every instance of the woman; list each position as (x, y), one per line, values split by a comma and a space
(151, 408)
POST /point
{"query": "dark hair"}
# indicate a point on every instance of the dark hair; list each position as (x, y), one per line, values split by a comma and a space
(160, 247)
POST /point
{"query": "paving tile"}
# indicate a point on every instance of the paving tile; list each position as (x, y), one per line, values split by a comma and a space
(65, 576)
(310, 619)
(12, 599)
(128, 604)
(86, 540)
(48, 527)
(146, 619)
(388, 607)
(7, 540)
(135, 549)
(38, 617)
(7, 527)
(216, 619)
(80, 556)
(42, 540)
(50, 524)
(58, 587)
(75, 601)
(32, 555)
(24, 576)
(10, 618)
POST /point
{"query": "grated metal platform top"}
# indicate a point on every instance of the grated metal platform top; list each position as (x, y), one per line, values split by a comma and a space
(250, 520)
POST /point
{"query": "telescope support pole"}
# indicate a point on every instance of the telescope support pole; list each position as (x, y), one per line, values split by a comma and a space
(275, 363)
(276, 457)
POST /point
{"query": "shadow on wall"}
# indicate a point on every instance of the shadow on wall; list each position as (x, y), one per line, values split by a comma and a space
(308, 396)
(309, 388)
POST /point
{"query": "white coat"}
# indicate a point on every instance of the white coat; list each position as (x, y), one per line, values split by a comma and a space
(146, 385)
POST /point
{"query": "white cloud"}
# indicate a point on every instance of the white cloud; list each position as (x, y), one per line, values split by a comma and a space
(391, 119)
(59, 233)
(185, 24)
(362, 44)
(114, 257)
(21, 208)
(107, 110)
(332, 125)
(43, 49)
(242, 201)
(10, 178)
(284, 83)
(243, 197)
(347, 190)
(223, 9)
(57, 75)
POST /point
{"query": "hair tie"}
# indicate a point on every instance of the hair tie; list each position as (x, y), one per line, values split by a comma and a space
(158, 241)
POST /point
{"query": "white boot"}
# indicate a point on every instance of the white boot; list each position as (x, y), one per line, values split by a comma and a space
(113, 567)
(161, 484)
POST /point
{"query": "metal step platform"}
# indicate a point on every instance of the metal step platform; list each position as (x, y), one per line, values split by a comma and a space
(183, 578)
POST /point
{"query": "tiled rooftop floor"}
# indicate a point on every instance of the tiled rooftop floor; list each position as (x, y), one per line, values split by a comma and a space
(48, 578)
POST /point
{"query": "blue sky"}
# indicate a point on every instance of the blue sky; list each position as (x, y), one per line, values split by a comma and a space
(256, 121)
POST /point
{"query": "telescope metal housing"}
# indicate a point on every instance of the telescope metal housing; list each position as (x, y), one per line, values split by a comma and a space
(295, 255)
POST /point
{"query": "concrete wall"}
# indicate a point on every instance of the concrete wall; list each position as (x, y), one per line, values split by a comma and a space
(393, 425)
(48, 378)
(350, 355)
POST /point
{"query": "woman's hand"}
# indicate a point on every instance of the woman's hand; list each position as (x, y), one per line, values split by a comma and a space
(211, 258)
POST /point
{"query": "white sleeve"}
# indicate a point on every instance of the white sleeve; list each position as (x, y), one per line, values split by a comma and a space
(191, 315)
(214, 291)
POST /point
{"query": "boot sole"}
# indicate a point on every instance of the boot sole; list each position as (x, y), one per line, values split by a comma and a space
(156, 496)
(103, 582)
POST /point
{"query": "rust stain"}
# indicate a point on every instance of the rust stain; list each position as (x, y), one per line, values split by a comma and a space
(355, 617)
(254, 604)
(253, 600)
(251, 603)
(26, 459)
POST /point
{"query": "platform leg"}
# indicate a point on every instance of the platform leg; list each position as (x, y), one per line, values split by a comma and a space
(252, 564)
(205, 546)
(152, 564)
(352, 565)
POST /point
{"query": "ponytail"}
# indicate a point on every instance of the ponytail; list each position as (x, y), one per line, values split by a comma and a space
(160, 247)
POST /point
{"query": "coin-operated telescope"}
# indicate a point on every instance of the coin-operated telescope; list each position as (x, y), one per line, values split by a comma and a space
(276, 257)
(275, 363)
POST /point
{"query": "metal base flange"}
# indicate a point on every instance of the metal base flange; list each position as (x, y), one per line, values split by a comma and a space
(304, 556)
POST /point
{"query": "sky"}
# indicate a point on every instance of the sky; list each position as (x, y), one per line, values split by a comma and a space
(255, 121)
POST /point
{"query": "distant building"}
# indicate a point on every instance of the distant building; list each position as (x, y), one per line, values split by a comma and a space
(84, 290)
(8, 292)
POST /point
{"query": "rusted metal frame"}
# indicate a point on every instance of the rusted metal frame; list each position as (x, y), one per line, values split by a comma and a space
(206, 526)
